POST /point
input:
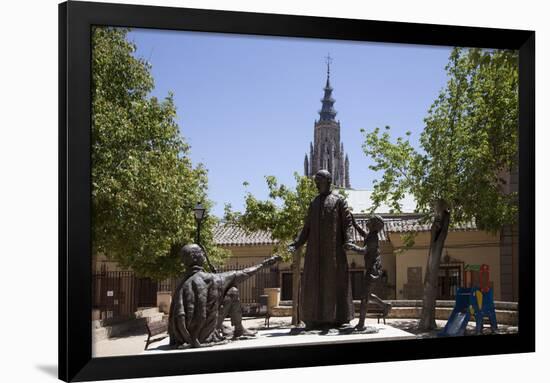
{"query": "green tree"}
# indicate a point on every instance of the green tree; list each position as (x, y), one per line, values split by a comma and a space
(469, 141)
(282, 214)
(144, 186)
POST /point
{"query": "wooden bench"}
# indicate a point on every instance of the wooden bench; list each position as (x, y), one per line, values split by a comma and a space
(154, 329)
(376, 311)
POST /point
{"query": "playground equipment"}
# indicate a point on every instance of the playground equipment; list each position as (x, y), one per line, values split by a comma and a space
(472, 301)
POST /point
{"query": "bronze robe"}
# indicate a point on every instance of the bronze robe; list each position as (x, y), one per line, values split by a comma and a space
(325, 297)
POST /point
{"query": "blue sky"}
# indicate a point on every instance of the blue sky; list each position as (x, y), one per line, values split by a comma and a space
(247, 104)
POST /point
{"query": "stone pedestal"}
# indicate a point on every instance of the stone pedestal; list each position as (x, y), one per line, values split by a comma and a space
(164, 299)
(273, 297)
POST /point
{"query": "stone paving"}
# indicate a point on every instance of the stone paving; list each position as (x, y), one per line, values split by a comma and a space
(277, 335)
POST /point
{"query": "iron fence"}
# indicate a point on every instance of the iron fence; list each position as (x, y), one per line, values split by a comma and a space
(251, 289)
(119, 294)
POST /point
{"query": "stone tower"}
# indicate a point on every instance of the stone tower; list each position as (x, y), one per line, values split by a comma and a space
(326, 151)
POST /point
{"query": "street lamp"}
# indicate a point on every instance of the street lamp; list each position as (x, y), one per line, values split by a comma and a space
(200, 212)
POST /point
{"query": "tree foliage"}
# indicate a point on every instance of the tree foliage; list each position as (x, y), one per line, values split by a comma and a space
(144, 186)
(469, 142)
(282, 214)
(470, 139)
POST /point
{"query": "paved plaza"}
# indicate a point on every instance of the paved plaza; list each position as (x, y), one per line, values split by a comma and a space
(276, 336)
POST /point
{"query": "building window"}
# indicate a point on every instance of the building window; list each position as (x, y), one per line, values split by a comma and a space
(286, 285)
(449, 279)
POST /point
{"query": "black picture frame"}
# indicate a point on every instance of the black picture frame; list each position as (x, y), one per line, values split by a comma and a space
(75, 293)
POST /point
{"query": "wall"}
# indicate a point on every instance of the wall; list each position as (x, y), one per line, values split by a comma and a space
(470, 247)
(248, 255)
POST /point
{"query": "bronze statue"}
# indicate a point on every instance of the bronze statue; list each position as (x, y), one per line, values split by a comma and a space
(231, 307)
(325, 297)
(373, 266)
(202, 300)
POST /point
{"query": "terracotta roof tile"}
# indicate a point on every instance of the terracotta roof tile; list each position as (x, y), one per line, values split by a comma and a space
(232, 235)
(402, 225)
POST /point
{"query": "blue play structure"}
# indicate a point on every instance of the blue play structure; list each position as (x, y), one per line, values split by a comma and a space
(470, 302)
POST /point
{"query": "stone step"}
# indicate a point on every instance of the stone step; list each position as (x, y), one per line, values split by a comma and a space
(155, 317)
(508, 317)
(133, 325)
(281, 311)
(145, 312)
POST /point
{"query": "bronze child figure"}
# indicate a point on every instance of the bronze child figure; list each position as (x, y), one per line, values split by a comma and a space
(373, 266)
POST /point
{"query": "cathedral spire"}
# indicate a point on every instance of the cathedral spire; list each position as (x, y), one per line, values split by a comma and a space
(327, 111)
(327, 151)
(329, 60)
(346, 177)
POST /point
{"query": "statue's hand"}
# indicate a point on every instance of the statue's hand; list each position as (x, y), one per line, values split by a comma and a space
(357, 249)
(273, 260)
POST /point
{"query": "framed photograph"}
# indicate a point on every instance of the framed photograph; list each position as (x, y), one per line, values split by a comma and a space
(244, 191)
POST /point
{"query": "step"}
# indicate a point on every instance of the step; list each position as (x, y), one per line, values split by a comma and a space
(281, 311)
(507, 317)
(119, 329)
(145, 312)
(155, 317)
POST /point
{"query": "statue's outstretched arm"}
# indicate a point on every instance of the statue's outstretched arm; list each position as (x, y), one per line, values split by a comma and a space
(233, 278)
(359, 229)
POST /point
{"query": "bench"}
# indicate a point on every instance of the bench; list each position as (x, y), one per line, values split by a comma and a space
(154, 329)
(263, 305)
(376, 311)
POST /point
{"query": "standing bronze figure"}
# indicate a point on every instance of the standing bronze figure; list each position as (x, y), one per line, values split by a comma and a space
(202, 300)
(325, 298)
(373, 267)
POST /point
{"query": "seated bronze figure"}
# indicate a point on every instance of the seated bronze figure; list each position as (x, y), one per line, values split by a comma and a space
(203, 299)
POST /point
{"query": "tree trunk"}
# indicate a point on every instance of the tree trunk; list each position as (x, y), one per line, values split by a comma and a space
(296, 287)
(439, 230)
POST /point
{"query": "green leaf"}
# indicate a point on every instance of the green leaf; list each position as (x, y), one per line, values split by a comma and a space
(144, 186)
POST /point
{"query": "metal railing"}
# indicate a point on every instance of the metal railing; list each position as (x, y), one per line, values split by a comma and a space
(119, 294)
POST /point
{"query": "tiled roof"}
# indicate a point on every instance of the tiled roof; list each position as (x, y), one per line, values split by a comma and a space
(232, 235)
(363, 223)
(401, 225)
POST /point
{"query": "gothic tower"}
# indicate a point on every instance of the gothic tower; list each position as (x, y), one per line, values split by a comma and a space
(326, 151)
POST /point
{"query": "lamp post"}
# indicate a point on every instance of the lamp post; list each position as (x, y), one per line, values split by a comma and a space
(199, 216)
